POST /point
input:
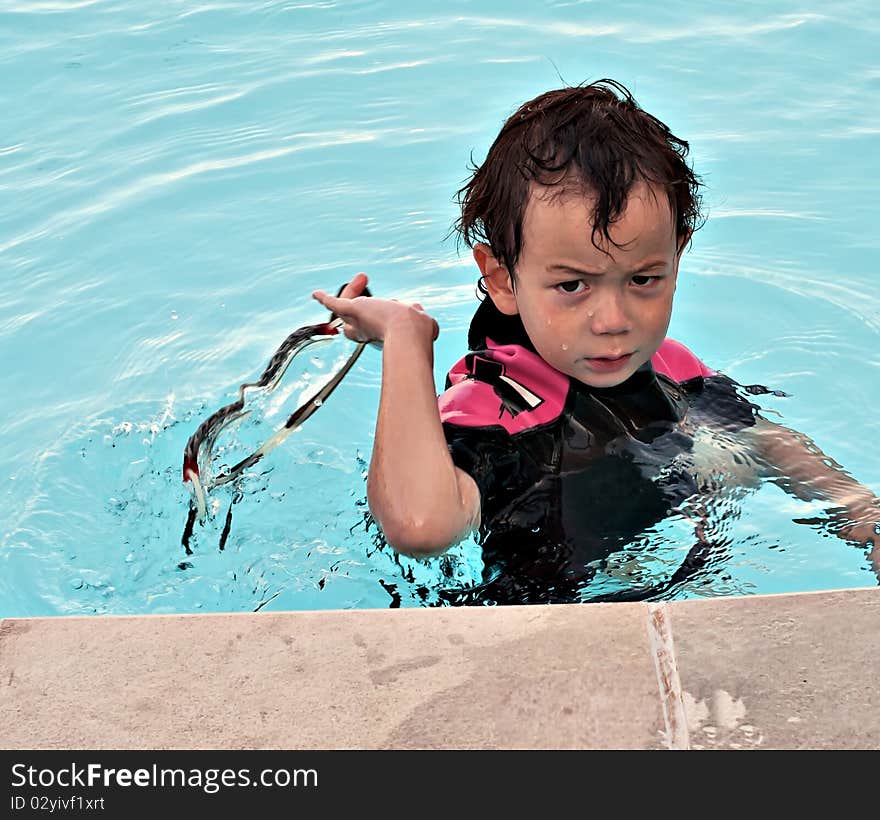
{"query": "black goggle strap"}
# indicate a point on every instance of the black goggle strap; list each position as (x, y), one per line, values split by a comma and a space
(198, 451)
(296, 418)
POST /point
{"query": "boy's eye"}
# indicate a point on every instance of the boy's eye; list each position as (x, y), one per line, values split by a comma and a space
(641, 280)
(572, 286)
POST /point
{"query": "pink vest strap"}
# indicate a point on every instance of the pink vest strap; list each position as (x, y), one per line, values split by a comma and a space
(673, 359)
(472, 403)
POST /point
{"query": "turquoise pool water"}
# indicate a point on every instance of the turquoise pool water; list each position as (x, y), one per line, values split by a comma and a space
(179, 176)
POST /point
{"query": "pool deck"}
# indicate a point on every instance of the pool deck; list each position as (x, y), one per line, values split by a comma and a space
(791, 671)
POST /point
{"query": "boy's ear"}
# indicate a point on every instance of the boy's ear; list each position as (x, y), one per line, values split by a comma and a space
(497, 279)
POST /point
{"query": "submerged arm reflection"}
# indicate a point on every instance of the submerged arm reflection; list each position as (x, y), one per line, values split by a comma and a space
(798, 466)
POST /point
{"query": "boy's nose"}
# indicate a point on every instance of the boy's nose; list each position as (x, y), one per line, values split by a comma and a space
(607, 316)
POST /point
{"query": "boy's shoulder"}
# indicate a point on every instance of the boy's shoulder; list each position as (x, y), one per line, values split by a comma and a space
(513, 388)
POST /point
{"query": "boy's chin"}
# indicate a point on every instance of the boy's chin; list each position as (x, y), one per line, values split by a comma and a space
(604, 382)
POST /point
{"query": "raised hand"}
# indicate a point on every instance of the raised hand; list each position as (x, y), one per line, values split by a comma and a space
(371, 319)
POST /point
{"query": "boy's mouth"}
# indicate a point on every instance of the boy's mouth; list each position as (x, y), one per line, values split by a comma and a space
(608, 364)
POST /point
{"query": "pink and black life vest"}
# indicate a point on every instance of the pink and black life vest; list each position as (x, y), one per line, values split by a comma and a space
(569, 473)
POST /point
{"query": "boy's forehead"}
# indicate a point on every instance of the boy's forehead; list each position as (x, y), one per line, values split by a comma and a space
(647, 212)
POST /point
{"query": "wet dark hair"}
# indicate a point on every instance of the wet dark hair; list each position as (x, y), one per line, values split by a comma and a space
(593, 140)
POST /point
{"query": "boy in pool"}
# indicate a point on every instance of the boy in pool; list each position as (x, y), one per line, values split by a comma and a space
(570, 426)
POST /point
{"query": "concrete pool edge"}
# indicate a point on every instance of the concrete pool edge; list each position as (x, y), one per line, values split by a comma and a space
(773, 671)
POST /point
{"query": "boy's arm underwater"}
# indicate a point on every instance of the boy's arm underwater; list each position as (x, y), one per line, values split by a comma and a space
(801, 469)
(421, 500)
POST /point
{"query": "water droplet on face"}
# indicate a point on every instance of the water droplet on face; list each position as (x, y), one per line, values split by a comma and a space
(590, 315)
(565, 347)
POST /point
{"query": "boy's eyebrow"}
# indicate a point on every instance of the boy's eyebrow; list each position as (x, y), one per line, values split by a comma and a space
(655, 263)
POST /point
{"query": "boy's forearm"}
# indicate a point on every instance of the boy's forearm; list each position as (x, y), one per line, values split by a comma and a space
(412, 487)
(805, 471)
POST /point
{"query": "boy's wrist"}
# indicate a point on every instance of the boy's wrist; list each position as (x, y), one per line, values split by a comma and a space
(418, 330)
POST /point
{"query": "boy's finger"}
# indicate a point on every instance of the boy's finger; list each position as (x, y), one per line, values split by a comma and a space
(326, 299)
(338, 307)
(355, 287)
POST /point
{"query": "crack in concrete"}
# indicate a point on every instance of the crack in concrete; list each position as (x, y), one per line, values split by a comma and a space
(671, 700)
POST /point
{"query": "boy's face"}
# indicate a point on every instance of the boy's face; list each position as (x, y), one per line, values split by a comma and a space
(594, 316)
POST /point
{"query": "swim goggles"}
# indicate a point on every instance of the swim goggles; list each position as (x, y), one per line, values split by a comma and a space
(197, 455)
